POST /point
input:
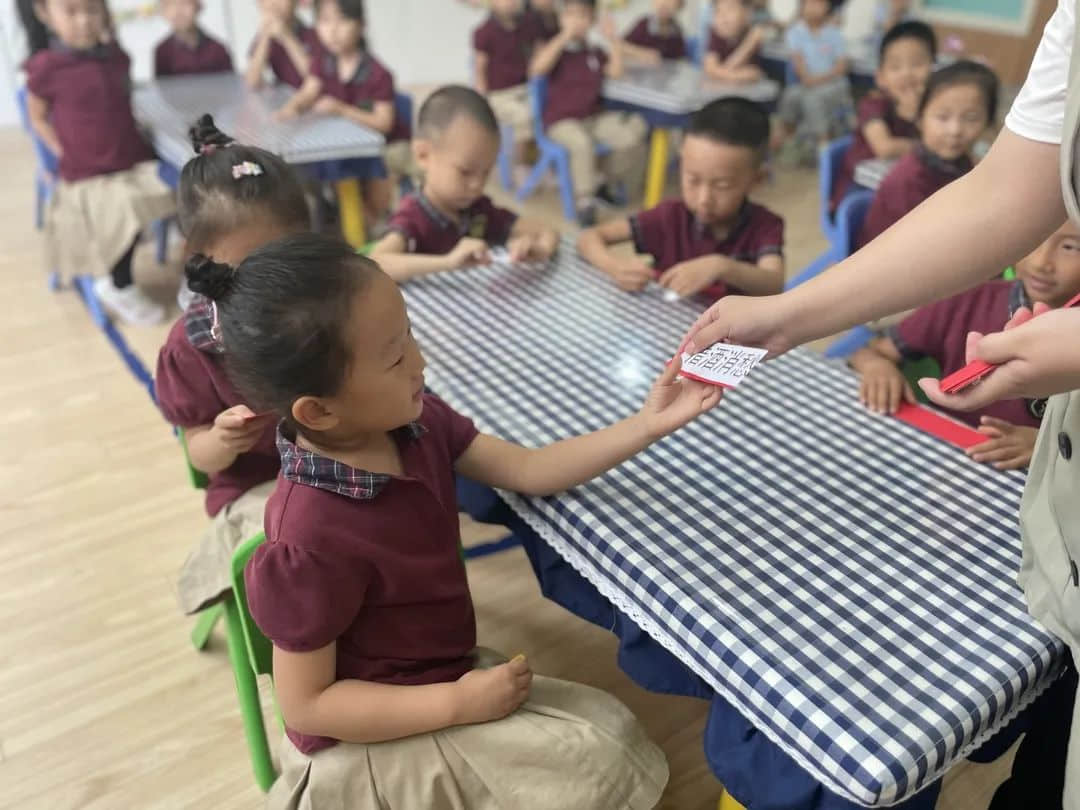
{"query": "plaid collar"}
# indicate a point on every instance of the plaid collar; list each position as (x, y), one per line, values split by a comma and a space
(464, 218)
(312, 470)
(200, 40)
(948, 168)
(1018, 297)
(359, 76)
(99, 51)
(199, 326)
(741, 218)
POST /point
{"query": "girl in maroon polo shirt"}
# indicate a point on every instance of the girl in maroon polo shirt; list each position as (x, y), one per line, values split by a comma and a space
(959, 103)
(360, 585)
(282, 43)
(79, 104)
(657, 36)
(233, 199)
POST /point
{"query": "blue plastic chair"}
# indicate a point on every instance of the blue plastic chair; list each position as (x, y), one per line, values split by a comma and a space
(507, 147)
(552, 155)
(403, 111)
(845, 230)
(47, 162)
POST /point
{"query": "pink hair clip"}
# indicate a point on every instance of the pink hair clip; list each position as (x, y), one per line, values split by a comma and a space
(246, 169)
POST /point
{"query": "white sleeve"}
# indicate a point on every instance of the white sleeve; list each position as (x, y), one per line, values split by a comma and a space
(1038, 113)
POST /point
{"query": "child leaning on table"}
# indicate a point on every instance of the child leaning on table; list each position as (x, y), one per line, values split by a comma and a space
(188, 49)
(282, 44)
(450, 222)
(360, 586)
(713, 239)
(658, 36)
(734, 42)
(1049, 275)
(79, 103)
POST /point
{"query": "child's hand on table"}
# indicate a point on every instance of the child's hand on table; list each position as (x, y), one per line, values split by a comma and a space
(690, 277)
(675, 401)
(491, 694)
(532, 247)
(469, 251)
(632, 274)
(238, 428)
(1009, 446)
(328, 105)
(882, 386)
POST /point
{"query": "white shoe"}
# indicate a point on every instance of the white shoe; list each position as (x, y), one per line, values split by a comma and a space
(130, 304)
(184, 296)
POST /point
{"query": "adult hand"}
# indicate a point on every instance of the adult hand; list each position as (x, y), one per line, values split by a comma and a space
(759, 321)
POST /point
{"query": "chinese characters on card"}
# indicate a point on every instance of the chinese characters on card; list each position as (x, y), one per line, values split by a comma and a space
(722, 364)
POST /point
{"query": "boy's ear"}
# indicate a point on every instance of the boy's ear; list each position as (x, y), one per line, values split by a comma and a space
(421, 149)
(312, 413)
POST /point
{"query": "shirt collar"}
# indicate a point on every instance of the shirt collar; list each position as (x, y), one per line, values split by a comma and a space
(200, 38)
(99, 51)
(302, 466)
(359, 76)
(200, 328)
(949, 168)
(741, 218)
(439, 218)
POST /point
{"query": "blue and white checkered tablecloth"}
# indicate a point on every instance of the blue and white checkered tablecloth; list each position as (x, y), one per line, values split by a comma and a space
(845, 581)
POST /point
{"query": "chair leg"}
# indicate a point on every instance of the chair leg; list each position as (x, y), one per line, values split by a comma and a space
(727, 802)
(849, 344)
(39, 205)
(506, 157)
(161, 232)
(566, 184)
(535, 175)
(204, 625)
(247, 693)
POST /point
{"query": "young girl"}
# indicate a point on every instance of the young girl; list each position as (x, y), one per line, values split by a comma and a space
(360, 586)
(79, 103)
(733, 43)
(232, 199)
(959, 103)
(347, 80)
(282, 44)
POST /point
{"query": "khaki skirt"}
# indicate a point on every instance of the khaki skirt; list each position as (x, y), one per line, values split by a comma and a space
(91, 223)
(205, 577)
(569, 747)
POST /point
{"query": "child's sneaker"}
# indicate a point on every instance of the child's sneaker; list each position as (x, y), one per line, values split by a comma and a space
(130, 304)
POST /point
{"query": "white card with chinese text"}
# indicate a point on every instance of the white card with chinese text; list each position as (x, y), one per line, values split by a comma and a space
(722, 364)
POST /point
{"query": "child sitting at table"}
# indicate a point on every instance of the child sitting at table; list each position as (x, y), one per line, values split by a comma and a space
(886, 117)
(713, 240)
(657, 36)
(450, 222)
(1050, 274)
(543, 17)
(502, 47)
(78, 100)
(574, 116)
(959, 103)
(282, 44)
(360, 587)
(732, 55)
(232, 199)
(188, 49)
(818, 103)
(347, 80)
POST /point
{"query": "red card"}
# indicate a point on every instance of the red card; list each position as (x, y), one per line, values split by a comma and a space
(937, 424)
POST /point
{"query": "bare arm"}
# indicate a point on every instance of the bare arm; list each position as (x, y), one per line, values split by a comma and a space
(480, 63)
(380, 117)
(738, 66)
(883, 143)
(303, 99)
(880, 349)
(260, 56)
(616, 66)
(546, 56)
(882, 385)
(695, 275)
(593, 243)
(38, 110)
(640, 54)
(391, 254)
(296, 51)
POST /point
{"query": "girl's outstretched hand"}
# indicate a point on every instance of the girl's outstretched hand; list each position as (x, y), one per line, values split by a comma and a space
(675, 401)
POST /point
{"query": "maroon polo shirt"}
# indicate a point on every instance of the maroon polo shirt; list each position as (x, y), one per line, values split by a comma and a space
(939, 330)
(724, 47)
(430, 232)
(508, 50)
(174, 57)
(916, 176)
(874, 107)
(192, 389)
(575, 84)
(670, 234)
(89, 98)
(370, 561)
(280, 63)
(648, 34)
(545, 25)
(369, 83)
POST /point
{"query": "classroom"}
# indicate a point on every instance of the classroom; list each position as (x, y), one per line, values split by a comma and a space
(547, 404)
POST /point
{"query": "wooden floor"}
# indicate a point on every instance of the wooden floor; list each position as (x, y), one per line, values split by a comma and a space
(103, 702)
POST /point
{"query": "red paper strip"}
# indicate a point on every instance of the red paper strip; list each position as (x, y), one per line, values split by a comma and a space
(936, 424)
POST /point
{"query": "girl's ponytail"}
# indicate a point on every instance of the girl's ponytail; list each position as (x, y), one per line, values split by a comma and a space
(209, 278)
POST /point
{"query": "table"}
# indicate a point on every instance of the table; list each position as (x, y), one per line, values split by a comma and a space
(870, 173)
(844, 581)
(667, 94)
(170, 106)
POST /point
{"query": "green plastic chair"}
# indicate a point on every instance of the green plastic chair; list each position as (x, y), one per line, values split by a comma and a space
(208, 618)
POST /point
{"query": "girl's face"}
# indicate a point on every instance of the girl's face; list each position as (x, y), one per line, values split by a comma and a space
(730, 18)
(953, 120)
(340, 35)
(79, 24)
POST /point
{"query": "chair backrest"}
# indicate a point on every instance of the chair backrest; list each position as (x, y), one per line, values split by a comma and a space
(258, 646)
(45, 157)
(537, 100)
(199, 479)
(832, 158)
(850, 216)
(403, 110)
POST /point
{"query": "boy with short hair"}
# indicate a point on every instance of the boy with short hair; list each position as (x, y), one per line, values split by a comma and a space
(820, 101)
(734, 42)
(886, 125)
(502, 47)
(188, 49)
(657, 36)
(574, 116)
(450, 223)
(713, 240)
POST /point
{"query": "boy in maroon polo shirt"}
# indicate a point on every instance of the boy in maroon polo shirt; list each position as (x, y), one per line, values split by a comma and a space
(282, 44)
(188, 49)
(657, 36)
(713, 240)
(886, 117)
(732, 54)
(960, 101)
(574, 116)
(1050, 275)
(450, 222)
(502, 47)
